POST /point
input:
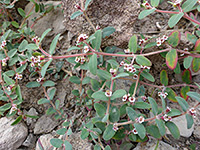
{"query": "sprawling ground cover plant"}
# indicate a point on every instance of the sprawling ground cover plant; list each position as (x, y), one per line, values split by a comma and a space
(120, 116)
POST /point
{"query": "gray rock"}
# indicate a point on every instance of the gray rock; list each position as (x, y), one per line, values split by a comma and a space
(11, 136)
(151, 144)
(30, 141)
(181, 123)
(44, 141)
(44, 125)
(31, 112)
(121, 14)
(197, 132)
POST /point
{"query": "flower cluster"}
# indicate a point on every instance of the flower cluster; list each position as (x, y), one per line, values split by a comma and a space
(192, 112)
(108, 93)
(166, 118)
(3, 44)
(36, 62)
(164, 95)
(161, 40)
(129, 68)
(129, 98)
(115, 128)
(140, 119)
(146, 5)
(81, 38)
(86, 49)
(4, 61)
(18, 76)
(10, 87)
(36, 40)
(144, 67)
(113, 72)
(186, 50)
(142, 41)
(13, 108)
(81, 59)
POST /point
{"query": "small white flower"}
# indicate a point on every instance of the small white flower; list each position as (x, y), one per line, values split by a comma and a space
(140, 119)
(13, 108)
(158, 42)
(77, 59)
(134, 131)
(82, 37)
(86, 49)
(168, 109)
(127, 51)
(115, 128)
(39, 80)
(135, 76)
(166, 118)
(131, 99)
(192, 112)
(126, 66)
(124, 98)
(121, 63)
(108, 93)
(18, 76)
(9, 88)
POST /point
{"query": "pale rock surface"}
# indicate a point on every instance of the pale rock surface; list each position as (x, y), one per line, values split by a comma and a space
(45, 124)
(30, 141)
(181, 123)
(11, 137)
(151, 144)
(31, 112)
(45, 142)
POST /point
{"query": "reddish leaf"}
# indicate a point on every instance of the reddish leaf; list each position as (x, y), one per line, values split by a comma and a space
(186, 76)
(171, 95)
(164, 77)
(190, 37)
(184, 91)
(196, 64)
(197, 46)
(171, 59)
(174, 38)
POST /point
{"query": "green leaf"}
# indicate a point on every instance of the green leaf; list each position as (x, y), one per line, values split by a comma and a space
(21, 12)
(87, 4)
(188, 5)
(61, 131)
(154, 105)
(44, 68)
(187, 62)
(153, 131)
(148, 76)
(140, 129)
(108, 133)
(12, 52)
(21, 68)
(96, 43)
(52, 93)
(99, 95)
(118, 94)
(161, 126)
(57, 103)
(190, 120)
(184, 91)
(75, 79)
(174, 38)
(33, 117)
(141, 105)
(95, 84)
(141, 60)
(123, 74)
(104, 74)
(43, 101)
(56, 142)
(68, 146)
(173, 129)
(105, 118)
(76, 14)
(107, 31)
(174, 112)
(145, 13)
(15, 24)
(164, 77)
(195, 64)
(44, 34)
(182, 102)
(31, 46)
(107, 147)
(23, 45)
(48, 83)
(171, 95)
(194, 95)
(32, 84)
(93, 64)
(17, 120)
(5, 107)
(132, 45)
(8, 80)
(18, 92)
(114, 114)
(175, 19)
(131, 113)
(84, 134)
(73, 48)
(187, 76)
(171, 59)
(100, 109)
(191, 37)
(155, 3)
(53, 44)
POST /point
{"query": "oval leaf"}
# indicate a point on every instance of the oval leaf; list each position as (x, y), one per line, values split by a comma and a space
(171, 59)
